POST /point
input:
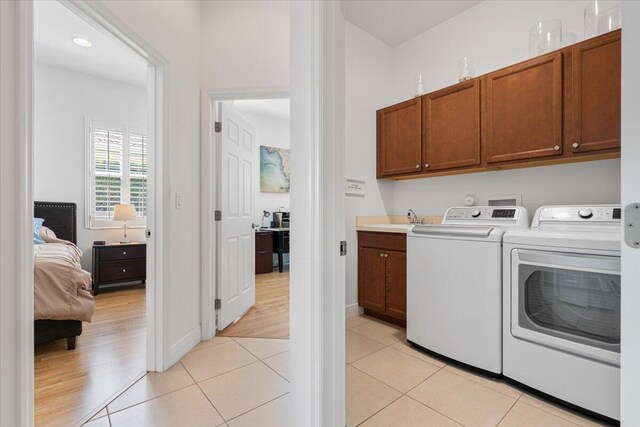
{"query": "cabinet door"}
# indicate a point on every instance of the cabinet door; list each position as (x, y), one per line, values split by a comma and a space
(396, 272)
(452, 127)
(371, 279)
(400, 139)
(596, 96)
(523, 110)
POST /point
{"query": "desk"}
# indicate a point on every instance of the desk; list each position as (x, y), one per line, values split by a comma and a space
(280, 243)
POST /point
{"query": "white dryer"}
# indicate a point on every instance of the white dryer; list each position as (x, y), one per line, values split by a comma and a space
(454, 284)
(562, 306)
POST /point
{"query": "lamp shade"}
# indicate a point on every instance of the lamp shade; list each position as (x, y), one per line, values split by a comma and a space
(124, 212)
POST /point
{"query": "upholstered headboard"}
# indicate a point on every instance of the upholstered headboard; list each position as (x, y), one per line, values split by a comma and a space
(59, 217)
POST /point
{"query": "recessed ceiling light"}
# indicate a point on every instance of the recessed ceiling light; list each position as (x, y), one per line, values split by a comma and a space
(81, 42)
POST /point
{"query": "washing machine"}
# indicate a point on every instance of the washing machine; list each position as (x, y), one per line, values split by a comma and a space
(454, 284)
(561, 304)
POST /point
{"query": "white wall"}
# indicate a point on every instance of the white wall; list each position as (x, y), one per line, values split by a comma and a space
(369, 72)
(630, 375)
(271, 132)
(62, 99)
(172, 28)
(494, 34)
(245, 44)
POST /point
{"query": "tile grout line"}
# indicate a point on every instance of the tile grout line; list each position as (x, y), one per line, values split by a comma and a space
(276, 372)
(204, 394)
(380, 410)
(551, 413)
(507, 413)
(433, 409)
(479, 383)
(255, 355)
(259, 406)
(149, 400)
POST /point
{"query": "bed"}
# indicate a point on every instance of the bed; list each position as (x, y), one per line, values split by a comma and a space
(61, 219)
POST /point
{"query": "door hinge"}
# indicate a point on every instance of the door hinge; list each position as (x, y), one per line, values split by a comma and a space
(632, 225)
(218, 127)
(217, 216)
(343, 248)
(218, 304)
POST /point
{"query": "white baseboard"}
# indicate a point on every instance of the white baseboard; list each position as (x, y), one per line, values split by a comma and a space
(353, 310)
(184, 345)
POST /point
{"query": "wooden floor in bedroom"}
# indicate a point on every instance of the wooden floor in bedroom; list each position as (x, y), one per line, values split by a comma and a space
(269, 317)
(110, 354)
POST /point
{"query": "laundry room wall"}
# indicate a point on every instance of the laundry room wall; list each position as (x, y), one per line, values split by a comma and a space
(368, 78)
(494, 34)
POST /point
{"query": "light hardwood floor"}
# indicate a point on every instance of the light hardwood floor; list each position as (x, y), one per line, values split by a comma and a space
(110, 354)
(269, 317)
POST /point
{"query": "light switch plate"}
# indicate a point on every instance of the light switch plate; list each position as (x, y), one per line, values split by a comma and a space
(632, 225)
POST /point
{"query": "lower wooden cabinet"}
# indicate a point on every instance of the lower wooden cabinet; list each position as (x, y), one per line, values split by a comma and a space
(382, 275)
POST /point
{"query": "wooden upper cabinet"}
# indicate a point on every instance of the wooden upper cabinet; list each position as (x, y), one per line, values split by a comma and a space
(400, 139)
(596, 95)
(451, 127)
(523, 110)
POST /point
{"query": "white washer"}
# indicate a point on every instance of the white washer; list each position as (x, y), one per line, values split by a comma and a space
(562, 306)
(454, 284)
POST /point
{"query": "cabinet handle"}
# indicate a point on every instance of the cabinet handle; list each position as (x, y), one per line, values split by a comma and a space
(417, 166)
(575, 145)
(386, 255)
(557, 148)
(381, 255)
(426, 165)
(124, 270)
(124, 252)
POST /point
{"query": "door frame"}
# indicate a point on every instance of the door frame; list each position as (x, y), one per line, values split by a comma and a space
(630, 157)
(16, 46)
(158, 351)
(208, 192)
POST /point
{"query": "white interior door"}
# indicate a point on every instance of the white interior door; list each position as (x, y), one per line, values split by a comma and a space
(236, 240)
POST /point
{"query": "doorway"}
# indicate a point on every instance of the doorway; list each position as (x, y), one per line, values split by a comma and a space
(252, 262)
(267, 121)
(93, 182)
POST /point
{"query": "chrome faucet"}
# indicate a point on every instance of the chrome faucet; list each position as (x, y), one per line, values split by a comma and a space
(413, 218)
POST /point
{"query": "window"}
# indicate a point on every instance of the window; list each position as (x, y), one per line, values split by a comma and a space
(117, 170)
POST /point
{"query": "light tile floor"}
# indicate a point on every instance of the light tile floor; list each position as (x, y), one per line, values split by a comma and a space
(243, 382)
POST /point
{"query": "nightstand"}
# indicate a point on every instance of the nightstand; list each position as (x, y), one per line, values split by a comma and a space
(118, 263)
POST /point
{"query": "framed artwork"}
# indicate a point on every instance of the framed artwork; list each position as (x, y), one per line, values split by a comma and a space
(274, 170)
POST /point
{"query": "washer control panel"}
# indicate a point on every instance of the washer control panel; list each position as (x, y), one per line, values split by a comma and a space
(579, 214)
(481, 213)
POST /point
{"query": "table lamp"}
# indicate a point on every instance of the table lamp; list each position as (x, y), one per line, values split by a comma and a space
(124, 212)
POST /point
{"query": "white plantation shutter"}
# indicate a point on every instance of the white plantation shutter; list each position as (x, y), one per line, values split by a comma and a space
(117, 172)
(138, 173)
(107, 162)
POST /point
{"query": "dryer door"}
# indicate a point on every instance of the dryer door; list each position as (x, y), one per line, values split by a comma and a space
(566, 301)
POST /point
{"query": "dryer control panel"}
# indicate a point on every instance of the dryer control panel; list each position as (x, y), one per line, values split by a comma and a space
(579, 214)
